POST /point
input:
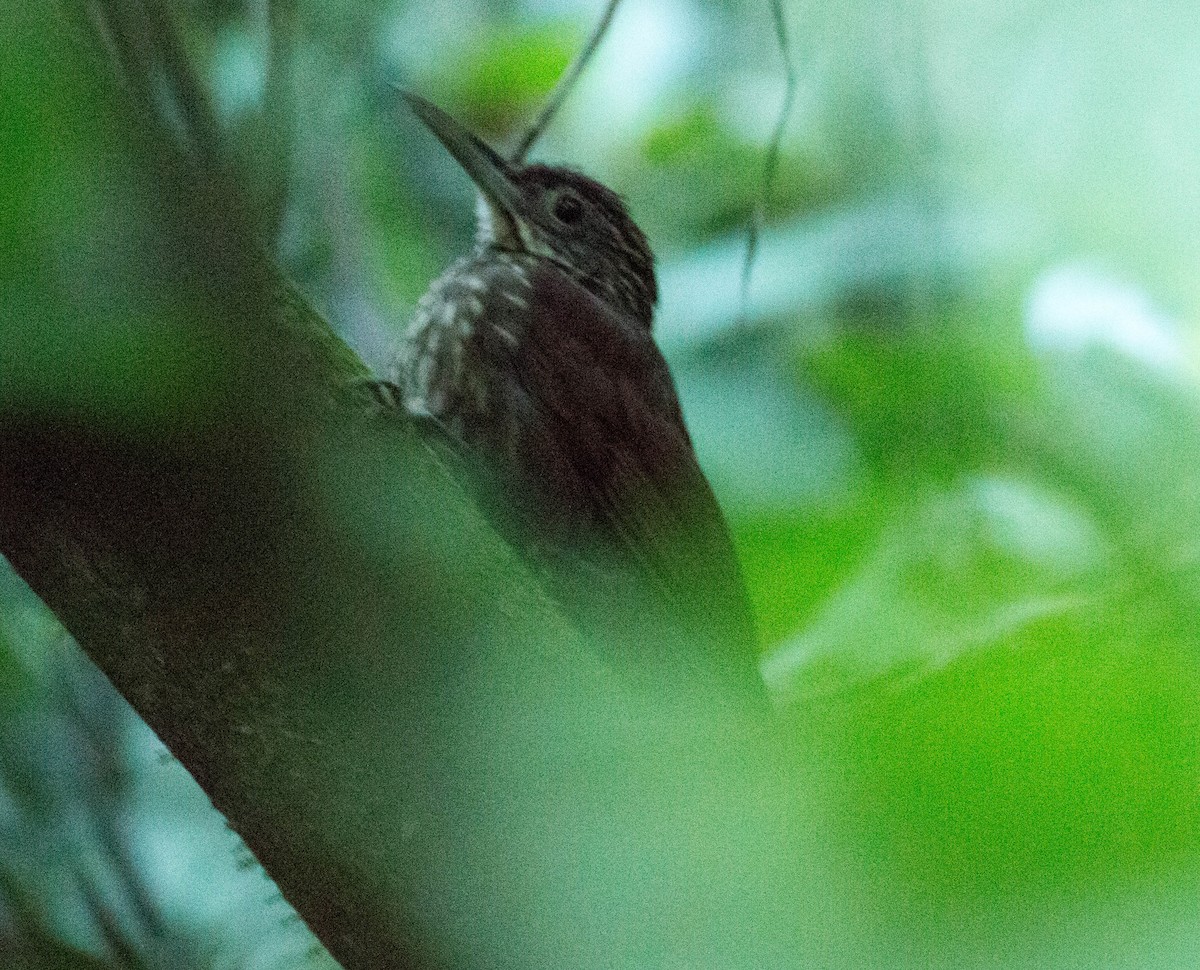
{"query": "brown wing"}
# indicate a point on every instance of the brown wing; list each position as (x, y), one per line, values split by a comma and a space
(572, 420)
(610, 445)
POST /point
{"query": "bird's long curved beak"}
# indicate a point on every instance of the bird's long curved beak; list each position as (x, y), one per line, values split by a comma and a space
(488, 170)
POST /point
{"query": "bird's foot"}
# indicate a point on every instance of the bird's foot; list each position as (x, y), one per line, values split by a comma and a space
(383, 397)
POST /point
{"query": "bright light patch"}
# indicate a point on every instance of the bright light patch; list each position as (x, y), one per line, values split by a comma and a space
(1073, 309)
(239, 75)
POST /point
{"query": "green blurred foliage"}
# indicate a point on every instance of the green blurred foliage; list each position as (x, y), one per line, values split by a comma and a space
(508, 77)
(696, 138)
(81, 322)
(956, 424)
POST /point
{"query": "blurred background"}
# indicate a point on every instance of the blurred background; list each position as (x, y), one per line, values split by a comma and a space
(954, 422)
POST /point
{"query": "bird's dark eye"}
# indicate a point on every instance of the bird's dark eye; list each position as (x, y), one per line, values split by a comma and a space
(568, 208)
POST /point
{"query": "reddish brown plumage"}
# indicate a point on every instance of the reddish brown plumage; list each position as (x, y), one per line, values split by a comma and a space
(535, 356)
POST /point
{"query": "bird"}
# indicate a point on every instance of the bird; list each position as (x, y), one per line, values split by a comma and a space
(533, 356)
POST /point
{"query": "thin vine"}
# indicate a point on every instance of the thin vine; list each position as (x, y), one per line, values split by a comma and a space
(565, 83)
(771, 161)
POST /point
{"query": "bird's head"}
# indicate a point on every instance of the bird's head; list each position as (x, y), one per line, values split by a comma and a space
(556, 214)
